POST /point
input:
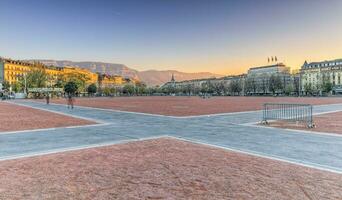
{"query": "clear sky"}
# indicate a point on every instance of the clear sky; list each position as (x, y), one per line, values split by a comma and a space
(225, 37)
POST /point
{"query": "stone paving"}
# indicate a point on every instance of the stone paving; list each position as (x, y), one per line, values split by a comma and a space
(232, 131)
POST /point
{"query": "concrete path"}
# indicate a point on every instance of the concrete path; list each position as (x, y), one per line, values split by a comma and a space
(230, 131)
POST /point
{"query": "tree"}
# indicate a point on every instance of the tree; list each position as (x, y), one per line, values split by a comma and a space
(207, 87)
(235, 87)
(188, 89)
(16, 87)
(289, 90)
(140, 88)
(113, 90)
(79, 79)
(296, 84)
(36, 79)
(60, 82)
(275, 84)
(70, 87)
(327, 87)
(263, 86)
(308, 88)
(92, 89)
(128, 89)
(5, 85)
(251, 87)
(107, 91)
(218, 87)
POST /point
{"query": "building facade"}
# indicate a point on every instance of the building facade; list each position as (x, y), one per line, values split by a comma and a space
(261, 80)
(315, 75)
(12, 70)
(89, 76)
(218, 86)
(106, 80)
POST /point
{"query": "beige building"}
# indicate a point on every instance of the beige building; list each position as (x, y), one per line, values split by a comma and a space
(315, 74)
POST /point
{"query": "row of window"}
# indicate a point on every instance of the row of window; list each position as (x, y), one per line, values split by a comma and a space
(325, 64)
(313, 80)
(16, 68)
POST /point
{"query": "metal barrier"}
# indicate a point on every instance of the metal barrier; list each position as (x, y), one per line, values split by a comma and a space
(288, 112)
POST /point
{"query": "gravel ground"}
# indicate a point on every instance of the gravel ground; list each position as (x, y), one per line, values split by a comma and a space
(15, 118)
(328, 123)
(162, 169)
(185, 106)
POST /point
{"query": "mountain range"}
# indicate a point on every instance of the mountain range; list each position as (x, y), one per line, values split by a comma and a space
(150, 77)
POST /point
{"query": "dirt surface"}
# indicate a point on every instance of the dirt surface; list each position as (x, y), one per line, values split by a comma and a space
(328, 123)
(185, 106)
(15, 118)
(162, 169)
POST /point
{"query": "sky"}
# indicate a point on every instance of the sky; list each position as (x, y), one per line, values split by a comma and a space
(219, 36)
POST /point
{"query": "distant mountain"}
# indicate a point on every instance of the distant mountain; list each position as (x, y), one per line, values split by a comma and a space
(150, 77)
(106, 68)
(154, 77)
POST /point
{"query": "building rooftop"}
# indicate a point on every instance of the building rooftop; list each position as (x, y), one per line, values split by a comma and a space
(322, 62)
(268, 66)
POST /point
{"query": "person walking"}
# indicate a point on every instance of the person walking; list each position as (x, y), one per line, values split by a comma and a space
(47, 98)
(70, 101)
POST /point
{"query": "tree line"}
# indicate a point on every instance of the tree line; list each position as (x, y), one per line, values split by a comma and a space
(77, 83)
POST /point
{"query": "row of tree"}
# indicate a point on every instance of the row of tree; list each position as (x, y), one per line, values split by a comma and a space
(40, 79)
(265, 85)
(77, 83)
(72, 83)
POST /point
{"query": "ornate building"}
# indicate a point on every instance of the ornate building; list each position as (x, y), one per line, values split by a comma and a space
(315, 74)
(12, 70)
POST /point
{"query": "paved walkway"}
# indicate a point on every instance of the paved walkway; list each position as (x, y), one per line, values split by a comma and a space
(231, 131)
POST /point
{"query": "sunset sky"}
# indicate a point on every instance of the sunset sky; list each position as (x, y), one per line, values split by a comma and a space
(225, 37)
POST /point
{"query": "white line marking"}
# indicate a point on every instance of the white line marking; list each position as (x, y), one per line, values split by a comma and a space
(293, 130)
(292, 161)
(181, 117)
(57, 112)
(82, 147)
(52, 129)
(109, 110)
(149, 114)
(326, 112)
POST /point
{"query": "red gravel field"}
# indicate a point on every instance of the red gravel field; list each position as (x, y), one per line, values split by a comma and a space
(15, 118)
(162, 169)
(185, 106)
(329, 123)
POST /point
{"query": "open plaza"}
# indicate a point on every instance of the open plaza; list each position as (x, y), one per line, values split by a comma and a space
(168, 148)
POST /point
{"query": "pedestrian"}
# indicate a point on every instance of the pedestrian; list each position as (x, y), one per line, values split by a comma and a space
(48, 98)
(70, 101)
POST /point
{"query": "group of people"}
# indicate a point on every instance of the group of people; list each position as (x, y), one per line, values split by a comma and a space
(69, 97)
